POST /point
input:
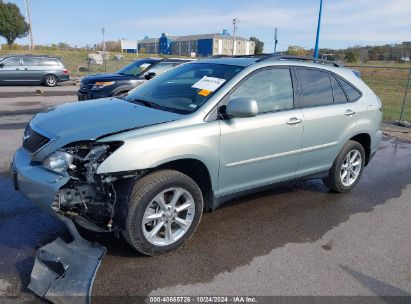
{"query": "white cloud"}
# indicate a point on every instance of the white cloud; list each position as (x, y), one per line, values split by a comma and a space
(346, 22)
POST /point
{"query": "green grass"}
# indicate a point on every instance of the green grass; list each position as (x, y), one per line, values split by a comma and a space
(388, 83)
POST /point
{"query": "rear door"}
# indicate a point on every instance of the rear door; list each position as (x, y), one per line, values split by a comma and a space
(31, 71)
(11, 70)
(327, 117)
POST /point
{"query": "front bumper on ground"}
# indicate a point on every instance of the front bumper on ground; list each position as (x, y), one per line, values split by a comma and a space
(37, 183)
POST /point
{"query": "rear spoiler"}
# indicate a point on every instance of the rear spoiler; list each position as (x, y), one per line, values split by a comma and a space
(356, 73)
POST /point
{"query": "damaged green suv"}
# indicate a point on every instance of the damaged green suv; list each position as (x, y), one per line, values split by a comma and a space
(147, 165)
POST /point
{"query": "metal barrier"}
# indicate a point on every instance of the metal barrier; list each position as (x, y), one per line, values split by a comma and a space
(391, 84)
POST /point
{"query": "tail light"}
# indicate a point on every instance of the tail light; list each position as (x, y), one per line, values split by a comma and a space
(65, 71)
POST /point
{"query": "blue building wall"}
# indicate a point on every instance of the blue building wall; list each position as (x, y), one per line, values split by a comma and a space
(130, 50)
(164, 45)
(205, 47)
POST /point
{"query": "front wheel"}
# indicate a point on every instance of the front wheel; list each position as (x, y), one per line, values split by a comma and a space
(165, 208)
(347, 168)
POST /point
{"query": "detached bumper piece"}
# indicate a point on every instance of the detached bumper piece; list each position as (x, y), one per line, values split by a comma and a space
(64, 272)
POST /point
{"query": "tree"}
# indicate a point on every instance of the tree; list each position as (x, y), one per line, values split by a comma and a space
(296, 50)
(259, 45)
(351, 56)
(12, 23)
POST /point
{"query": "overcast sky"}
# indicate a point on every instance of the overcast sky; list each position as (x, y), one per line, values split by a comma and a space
(345, 23)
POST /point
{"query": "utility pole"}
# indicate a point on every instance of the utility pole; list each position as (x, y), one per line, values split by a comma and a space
(275, 39)
(235, 20)
(318, 30)
(31, 43)
(103, 31)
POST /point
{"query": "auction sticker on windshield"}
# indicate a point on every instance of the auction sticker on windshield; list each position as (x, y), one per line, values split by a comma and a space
(208, 83)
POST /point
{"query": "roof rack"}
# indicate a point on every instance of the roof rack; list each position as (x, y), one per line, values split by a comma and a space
(299, 58)
(238, 56)
(261, 57)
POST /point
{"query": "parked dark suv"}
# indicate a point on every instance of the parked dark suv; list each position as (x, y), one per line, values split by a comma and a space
(32, 69)
(126, 79)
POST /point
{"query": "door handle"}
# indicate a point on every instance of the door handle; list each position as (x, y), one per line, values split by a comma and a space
(349, 112)
(294, 121)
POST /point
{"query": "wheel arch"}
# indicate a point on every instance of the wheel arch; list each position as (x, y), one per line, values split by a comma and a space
(121, 89)
(365, 140)
(197, 171)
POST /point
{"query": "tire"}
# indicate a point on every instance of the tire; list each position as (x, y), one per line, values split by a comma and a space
(119, 94)
(336, 180)
(50, 81)
(144, 202)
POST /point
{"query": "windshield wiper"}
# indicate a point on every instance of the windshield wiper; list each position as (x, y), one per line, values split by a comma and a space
(145, 103)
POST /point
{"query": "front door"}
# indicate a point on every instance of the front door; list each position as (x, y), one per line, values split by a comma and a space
(264, 149)
(10, 72)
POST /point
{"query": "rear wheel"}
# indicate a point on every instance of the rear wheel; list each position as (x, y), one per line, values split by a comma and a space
(165, 208)
(347, 168)
(50, 81)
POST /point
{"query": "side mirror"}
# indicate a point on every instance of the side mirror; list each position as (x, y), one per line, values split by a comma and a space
(1, 65)
(150, 75)
(241, 108)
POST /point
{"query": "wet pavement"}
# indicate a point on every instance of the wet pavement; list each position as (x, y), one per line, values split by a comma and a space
(298, 239)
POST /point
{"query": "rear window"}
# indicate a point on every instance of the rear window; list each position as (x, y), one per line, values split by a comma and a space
(339, 95)
(48, 62)
(315, 87)
(351, 92)
(30, 61)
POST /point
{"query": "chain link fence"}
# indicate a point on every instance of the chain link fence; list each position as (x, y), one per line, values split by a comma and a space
(391, 85)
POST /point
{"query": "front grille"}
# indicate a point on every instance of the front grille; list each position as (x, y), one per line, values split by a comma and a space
(85, 87)
(33, 141)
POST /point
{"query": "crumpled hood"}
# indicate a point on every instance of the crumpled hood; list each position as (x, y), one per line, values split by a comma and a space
(89, 120)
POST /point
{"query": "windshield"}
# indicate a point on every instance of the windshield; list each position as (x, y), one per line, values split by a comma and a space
(185, 88)
(135, 68)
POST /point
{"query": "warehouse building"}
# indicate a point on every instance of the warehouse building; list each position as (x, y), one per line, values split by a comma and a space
(197, 45)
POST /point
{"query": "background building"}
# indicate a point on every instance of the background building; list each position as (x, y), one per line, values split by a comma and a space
(129, 46)
(197, 45)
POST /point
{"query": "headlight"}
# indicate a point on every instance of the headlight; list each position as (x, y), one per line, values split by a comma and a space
(101, 84)
(58, 161)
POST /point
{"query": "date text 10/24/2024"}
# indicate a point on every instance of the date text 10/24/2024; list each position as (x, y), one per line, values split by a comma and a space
(203, 299)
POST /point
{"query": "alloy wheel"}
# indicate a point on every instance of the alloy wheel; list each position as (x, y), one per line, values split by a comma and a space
(350, 168)
(168, 216)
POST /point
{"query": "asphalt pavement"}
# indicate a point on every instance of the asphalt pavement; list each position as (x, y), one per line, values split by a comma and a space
(298, 239)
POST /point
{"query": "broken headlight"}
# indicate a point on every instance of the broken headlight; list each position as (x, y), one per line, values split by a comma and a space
(58, 161)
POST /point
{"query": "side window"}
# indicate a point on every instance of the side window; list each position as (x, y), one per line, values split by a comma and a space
(339, 95)
(13, 61)
(351, 92)
(272, 89)
(315, 87)
(48, 62)
(30, 61)
(161, 68)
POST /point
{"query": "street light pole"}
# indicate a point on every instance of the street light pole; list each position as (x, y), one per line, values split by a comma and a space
(235, 20)
(103, 30)
(318, 30)
(275, 39)
(31, 42)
